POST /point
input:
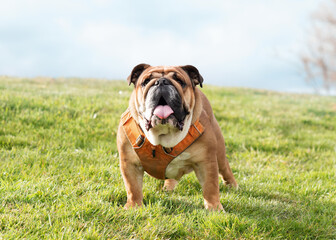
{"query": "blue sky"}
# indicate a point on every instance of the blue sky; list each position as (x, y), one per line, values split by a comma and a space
(232, 43)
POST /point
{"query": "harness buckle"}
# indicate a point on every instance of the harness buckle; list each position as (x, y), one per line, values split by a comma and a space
(167, 150)
(140, 141)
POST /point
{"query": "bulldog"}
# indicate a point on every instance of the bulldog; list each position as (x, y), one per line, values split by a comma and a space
(169, 130)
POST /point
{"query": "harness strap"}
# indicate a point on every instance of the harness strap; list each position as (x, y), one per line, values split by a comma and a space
(155, 159)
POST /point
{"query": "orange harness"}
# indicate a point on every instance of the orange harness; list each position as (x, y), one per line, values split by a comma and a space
(155, 159)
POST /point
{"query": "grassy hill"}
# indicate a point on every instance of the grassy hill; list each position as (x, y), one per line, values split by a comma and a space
(60, 178)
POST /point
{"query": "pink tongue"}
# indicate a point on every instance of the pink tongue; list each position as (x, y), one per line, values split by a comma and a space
(163, 111)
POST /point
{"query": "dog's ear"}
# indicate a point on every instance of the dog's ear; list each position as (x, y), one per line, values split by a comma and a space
(136, 72)
(194, 75)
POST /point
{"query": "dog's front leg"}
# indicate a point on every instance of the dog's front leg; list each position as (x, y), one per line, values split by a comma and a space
(133, 178)
(207, 174)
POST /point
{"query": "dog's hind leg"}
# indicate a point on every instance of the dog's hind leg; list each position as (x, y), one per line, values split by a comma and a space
(223, 164)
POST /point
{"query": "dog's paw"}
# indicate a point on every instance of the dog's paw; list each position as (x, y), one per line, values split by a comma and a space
(214, 207)
(231, 184)
(169, 185)
(234, 186)
(130, 205)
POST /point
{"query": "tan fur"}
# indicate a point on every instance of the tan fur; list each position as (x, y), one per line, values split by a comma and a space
(206, 156)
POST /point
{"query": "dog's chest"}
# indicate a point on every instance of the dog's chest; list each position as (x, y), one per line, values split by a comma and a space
(179, 166)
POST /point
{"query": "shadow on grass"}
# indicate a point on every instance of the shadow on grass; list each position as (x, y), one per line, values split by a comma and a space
(294, 216)
(279, 214)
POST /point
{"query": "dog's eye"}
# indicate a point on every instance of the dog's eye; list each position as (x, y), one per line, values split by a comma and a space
(177, 79)
(144, 83)
(180, 82)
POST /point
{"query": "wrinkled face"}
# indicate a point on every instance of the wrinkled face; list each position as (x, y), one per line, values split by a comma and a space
(159, 96)
(164, 99)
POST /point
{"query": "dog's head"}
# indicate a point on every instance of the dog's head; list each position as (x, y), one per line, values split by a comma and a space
(164, 101)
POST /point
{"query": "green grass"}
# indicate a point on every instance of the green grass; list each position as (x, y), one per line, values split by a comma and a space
(60, 178)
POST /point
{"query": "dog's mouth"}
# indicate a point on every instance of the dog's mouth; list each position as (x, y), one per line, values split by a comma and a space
(163, 110)
(165, 113)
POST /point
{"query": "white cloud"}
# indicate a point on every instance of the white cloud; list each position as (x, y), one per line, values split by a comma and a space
(232, 42)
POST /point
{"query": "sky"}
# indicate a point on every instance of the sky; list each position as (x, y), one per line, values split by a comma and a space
(237, 43)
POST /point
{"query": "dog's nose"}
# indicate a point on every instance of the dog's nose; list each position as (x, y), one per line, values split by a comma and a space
(162, 81)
